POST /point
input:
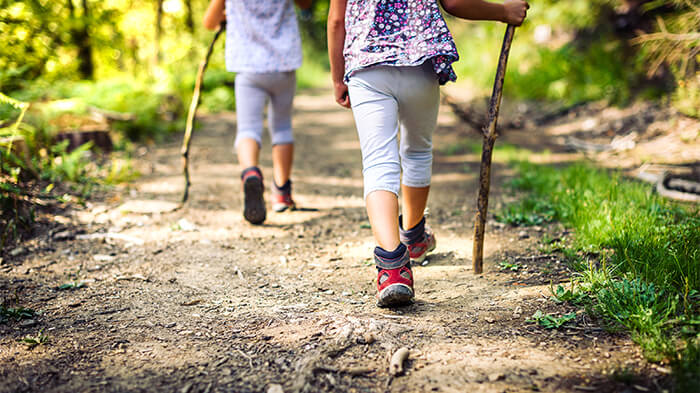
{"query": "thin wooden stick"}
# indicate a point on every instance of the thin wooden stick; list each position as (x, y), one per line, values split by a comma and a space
(193, 111)
(490, 136)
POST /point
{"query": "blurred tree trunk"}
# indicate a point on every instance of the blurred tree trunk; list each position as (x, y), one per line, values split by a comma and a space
(159, 30)
(81, 38)
(189, 20)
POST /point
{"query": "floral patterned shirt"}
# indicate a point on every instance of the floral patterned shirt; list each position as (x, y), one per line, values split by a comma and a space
(262, 36)
(398, 33)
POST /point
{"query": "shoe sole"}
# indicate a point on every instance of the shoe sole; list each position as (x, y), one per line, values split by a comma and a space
(395, 295)
(254, 204)
(279, 208)
(421, 258)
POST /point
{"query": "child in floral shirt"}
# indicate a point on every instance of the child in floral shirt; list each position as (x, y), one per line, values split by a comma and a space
(388, 58)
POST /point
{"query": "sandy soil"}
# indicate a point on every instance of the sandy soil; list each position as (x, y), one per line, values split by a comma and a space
(198, 300)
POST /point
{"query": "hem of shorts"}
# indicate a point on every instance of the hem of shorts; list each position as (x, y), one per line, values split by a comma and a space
(387, 189)
(257, 70)
(238, 137)
(282, 143)
(416, 185)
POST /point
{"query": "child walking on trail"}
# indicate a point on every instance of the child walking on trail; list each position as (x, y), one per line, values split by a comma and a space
(388, 58)
(263, 48)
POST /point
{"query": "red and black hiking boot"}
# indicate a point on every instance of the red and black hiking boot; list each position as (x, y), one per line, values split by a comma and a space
(282, 197)
(394, 277)
(420, 240)
(253, 204)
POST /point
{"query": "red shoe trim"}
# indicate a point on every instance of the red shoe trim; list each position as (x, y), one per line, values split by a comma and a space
(395, 277)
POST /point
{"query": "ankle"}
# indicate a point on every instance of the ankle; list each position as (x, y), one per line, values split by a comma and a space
(414, 234)
(391, 259)
(286, 188)
(251, 171)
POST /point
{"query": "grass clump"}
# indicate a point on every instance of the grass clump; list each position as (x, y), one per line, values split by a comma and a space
(637, 256)
(37, 170)
(15, 313)
(550, 321)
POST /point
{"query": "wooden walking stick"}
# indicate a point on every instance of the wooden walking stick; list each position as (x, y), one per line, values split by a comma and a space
(490, 136)
(193, 111)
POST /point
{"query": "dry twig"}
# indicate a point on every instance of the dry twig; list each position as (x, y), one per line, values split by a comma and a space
(193, 110)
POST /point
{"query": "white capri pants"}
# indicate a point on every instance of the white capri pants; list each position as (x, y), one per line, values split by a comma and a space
(386, 99)
(252, 92)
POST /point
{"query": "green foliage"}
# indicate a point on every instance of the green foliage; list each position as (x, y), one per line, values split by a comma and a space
(570, 52)
(686, 98)
(71, 285)
(675, 44)
(648, 236)
(11, 131)
(148, 101)
(571, 75)
(686, 367)
(505, 265)
(642, 309)
(549, 321)
(29, 156)
(17, 313)
(572, 295)
(32, 341)
(527, 212)
(64, 165)
(636, 256)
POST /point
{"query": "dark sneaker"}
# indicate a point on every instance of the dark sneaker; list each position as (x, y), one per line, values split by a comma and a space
(420, 240)
(282, 198)
(394, 280)
(254, 204)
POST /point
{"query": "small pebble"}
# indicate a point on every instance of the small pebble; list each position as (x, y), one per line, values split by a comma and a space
(17, 251)
(495, 377)
(28, 323)
(275, 388)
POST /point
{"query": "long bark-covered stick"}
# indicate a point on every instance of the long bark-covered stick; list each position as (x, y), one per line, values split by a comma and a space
(193, 111)
(486, 152)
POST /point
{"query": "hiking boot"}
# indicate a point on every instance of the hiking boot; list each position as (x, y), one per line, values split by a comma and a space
(282, 197)
(419, 240)
(254, 204)
(394, 277)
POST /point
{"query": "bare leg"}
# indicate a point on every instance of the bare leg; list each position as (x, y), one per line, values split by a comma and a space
(414, 201)
(383, 212)
(248, 152)
(282, 158)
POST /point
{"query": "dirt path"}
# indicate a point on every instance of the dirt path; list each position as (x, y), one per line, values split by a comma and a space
(198, 300)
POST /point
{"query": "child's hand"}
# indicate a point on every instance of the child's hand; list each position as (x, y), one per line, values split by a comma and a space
(516, 10)
(340, 90)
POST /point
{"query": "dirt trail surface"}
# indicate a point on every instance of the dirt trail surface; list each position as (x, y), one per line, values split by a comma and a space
(198, 300)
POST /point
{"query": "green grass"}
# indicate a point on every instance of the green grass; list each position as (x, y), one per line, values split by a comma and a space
(33, 341)
(637, 256)
(505, 265)
(15, 313)
(550, 321)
